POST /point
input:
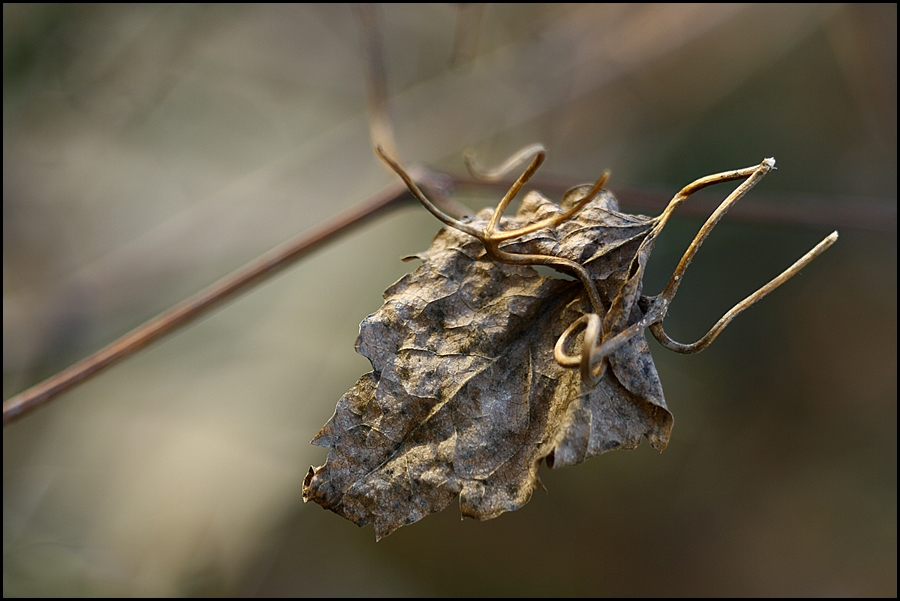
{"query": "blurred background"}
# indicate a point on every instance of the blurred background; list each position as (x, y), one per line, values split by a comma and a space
(150, 150)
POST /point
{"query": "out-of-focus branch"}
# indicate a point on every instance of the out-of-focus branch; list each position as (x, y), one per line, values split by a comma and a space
(381, 126)
(198, 305)
(465, 39)
(850, 213)
(861, 214)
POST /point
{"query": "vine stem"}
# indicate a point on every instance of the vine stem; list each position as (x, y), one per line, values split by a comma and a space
(267, 265)
(194, 307)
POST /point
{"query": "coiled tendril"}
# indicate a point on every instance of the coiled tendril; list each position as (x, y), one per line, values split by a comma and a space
(597, 345)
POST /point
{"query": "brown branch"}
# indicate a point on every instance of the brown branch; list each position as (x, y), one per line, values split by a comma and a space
(872, 216)
(877, 215)
(381, 125)
(191, 309)
(469, 17)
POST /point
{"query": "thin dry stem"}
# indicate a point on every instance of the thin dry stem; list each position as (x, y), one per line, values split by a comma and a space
(420, 196)
(491, 239)
(193, 308)
(696, 347)
(753, 175)
(381, 125)
(592, 359)
(494, 175)
(550, 221)
(514, 191)
(465, 38)
(658, 306)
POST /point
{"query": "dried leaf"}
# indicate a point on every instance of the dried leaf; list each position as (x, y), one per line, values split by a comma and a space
(472, 383)
(466, 397)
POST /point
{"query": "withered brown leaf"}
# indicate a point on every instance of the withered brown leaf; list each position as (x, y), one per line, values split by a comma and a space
(472, 385)
(466, 397)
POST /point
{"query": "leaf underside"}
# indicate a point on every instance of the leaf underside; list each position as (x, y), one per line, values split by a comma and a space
(465, 397)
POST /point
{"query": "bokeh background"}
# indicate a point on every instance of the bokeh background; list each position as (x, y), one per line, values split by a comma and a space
(150, 150)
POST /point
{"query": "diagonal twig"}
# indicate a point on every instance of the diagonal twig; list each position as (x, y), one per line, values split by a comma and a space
(251, 274)
(194, 307)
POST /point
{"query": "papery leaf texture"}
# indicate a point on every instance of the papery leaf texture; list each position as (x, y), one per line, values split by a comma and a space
(465, 398)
